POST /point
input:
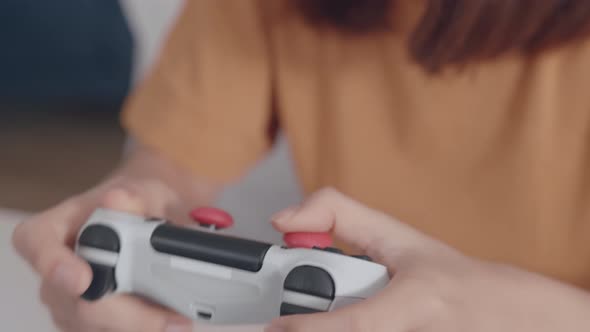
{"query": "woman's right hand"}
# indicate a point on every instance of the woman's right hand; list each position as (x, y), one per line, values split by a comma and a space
(146, 185)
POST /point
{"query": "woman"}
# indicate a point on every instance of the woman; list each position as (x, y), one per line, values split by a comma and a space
(464, 123)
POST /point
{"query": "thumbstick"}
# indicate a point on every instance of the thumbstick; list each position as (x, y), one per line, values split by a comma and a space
(212, 218)
(307, 240)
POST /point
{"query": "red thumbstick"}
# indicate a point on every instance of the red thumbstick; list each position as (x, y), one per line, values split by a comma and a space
(212, 217)
(308, 240)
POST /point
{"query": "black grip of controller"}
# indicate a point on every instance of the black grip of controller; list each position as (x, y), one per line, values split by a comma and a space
(103, 277)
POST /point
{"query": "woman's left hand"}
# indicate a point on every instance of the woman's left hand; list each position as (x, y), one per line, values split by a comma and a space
(434, 288)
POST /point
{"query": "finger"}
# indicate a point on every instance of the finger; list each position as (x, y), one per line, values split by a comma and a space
(228, 328)
(44, 240)
(116, 313)
(368, 230)
(144, 199)
(399, 307)
(321, 322)
(41, 242)
(130, 314)
(363, 316)
(60, 306)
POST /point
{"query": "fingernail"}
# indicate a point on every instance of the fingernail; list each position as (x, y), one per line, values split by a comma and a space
(284, 215)
(65, 276)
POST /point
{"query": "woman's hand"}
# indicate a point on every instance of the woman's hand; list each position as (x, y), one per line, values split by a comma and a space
(434, 287)
(146, 185)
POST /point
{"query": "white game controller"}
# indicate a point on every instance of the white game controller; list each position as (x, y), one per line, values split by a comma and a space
(217, 278)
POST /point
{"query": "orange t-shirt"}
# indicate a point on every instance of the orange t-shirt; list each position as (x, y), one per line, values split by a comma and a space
(494, 160)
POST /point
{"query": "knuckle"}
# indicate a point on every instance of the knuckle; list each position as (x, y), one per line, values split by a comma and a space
(426, 298)
(25, 241)
(23, 236)
(18, 237)
(433, 306)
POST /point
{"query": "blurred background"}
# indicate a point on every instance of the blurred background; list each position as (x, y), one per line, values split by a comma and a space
(66, 68)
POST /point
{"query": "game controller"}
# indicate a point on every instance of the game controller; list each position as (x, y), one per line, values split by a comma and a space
(215, 278)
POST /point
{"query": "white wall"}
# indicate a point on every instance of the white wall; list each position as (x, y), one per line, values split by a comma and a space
(272, 185)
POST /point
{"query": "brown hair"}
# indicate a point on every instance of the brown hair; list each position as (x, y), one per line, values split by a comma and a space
(462, 31)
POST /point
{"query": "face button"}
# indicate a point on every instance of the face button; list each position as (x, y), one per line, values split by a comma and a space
(212, 218)
(307, 240)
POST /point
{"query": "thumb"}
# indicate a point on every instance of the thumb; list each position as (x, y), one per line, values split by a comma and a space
(42, 241)
(370, 231)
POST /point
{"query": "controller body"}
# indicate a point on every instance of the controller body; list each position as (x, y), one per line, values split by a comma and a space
(215, 278)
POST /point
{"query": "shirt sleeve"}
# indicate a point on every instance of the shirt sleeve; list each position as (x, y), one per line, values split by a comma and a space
(206, 105)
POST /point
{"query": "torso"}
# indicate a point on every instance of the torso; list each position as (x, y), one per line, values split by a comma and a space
(493, 160)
